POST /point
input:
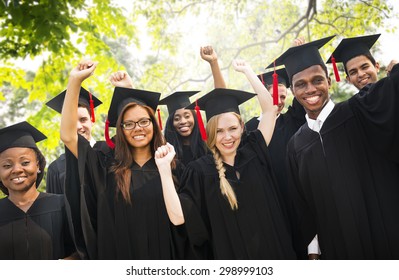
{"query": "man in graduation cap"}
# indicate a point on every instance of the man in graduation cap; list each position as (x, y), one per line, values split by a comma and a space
(86, 118)
(360, 66)
(343, 163)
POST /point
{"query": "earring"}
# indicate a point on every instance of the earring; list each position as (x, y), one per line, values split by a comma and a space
(38, 172)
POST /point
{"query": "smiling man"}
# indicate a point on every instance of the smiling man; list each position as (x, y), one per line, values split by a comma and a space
(56, 170)
(343, 163)
(360, 66)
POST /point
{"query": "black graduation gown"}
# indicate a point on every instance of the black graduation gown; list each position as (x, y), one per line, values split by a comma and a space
(286, 126)
(346, 179)
(111, 227)
(56, 176)
(258, 229)
(187, 155)
(41, 233)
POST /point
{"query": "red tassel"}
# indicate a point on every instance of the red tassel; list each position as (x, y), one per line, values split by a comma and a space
(337, 78)
(106, 133)
(93, 118)
(275, 86)
(200, 122)
(159, 118)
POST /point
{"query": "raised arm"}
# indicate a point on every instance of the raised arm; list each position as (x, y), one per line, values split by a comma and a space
(121, 79)
(269, 111)
(209, 54)
(69, 115)
(163, 158)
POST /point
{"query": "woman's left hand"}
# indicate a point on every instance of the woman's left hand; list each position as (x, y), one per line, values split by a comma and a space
(164, 155)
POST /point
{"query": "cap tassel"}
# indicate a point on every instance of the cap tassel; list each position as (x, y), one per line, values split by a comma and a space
(200, 122)
(275, 86)
(106, 133)
(337, 78)
(93, 118)
(159, 118)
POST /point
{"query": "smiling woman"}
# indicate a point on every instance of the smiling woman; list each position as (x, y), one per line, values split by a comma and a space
(33, 225)
(124, 185)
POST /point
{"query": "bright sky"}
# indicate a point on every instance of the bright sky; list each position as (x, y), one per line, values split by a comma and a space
(389, 42)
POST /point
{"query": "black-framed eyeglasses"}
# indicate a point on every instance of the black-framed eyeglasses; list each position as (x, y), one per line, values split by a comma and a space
(129, 125)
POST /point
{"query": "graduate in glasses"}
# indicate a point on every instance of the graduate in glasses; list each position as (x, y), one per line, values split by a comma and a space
(123, 213)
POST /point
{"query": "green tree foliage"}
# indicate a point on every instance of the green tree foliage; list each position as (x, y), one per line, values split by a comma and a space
(157, 42)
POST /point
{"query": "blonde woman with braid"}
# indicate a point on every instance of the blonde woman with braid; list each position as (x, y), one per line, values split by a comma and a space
(230, 200)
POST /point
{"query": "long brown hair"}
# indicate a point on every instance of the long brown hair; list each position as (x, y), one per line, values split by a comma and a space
(225, 187)
(123, 150)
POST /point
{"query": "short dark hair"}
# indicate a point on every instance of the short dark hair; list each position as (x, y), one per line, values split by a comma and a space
(367, 55)
(83, 105)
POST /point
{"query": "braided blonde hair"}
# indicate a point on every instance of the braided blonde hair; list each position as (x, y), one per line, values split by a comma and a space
(225, 187)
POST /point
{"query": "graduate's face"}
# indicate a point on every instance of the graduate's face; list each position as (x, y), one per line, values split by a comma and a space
(310, 87)
(138, 137)
(228, 134)
(84, 123)
(18, 169)
(282, 96)
(183, 122)
(361, 71)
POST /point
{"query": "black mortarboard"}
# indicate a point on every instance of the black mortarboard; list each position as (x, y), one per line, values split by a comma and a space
(22, 135)
(221, 100)
(84, 98)
(352, 47)
(267, 78)
(298, 58)
(177, 100)
(218, 101)
(123, 96)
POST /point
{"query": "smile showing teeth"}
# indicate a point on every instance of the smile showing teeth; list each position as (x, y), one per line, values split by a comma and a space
(138, 137)
(312, 99)
(228, 145)
(18, 179)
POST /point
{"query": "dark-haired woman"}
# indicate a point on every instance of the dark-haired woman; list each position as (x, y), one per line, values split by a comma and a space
(123, 213)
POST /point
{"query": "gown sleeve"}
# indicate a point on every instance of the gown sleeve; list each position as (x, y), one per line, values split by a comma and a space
(84, 176)
(302, 218)
(378, 113)
(191, 196)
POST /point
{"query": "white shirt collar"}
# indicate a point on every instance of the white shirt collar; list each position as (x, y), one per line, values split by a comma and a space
(316, 125)
(92, 142)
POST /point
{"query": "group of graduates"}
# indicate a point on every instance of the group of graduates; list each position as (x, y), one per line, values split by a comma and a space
(320, 181)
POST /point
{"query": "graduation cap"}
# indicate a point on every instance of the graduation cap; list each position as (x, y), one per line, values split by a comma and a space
(177, 100)
(350, 48)
(22, 135)
(298, 58)
(218, 101)
(85, 98)
(282, 78)
(122, 97)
